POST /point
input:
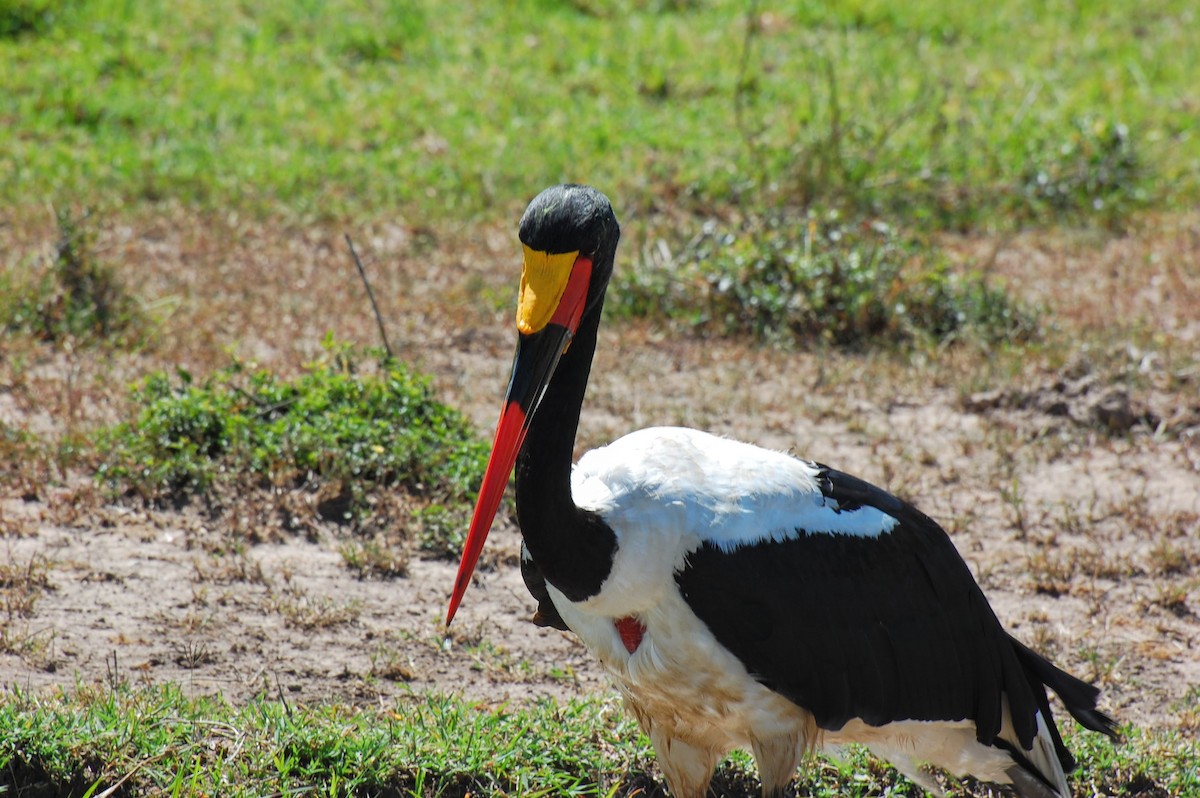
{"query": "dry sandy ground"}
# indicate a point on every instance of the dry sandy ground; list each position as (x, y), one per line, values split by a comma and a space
(1070, 483)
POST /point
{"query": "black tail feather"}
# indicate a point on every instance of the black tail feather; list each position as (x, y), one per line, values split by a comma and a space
(1077, 696)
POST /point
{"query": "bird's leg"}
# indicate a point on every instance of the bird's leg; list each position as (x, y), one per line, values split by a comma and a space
(777, 759)
(688, 767)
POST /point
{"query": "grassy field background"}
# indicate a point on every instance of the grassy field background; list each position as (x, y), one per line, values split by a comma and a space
(884, 147)
(950, 116)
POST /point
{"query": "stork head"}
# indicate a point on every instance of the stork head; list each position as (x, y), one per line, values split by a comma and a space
(569, 234)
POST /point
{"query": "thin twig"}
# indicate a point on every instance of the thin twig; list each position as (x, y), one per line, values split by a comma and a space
(371, 296)
(835, 116)
(287, 708)
(743, 89)
(138, 767)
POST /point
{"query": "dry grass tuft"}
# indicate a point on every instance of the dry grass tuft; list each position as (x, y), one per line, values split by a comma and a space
(304, 611)
(21, 585)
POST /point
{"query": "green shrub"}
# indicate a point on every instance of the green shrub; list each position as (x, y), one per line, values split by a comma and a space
(819, 278)
(336, 425)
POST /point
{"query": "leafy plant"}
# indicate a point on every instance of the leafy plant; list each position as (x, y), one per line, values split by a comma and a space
(340, 429)
(821, 277)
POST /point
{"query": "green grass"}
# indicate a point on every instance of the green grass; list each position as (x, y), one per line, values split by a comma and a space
(158, 741)
(93, 737)
(1023, 112)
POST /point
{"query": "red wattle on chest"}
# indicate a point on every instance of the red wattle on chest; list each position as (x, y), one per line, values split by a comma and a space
(631, 631)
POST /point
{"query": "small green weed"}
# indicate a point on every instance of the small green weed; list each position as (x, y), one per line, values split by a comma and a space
(28, 17)
(1097, 171)
(441, 533)
(820, 277)
(341, 429)
(76, 298)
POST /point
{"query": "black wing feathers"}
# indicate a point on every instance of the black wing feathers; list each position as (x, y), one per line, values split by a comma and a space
(884, 628)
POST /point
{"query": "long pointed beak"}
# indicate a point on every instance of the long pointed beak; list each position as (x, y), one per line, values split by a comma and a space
(533, 365)
(536, 358)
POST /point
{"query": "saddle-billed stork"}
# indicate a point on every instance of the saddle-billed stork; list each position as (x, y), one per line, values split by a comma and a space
(741, 597)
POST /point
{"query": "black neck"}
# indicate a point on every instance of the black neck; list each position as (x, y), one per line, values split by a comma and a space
(571, 547)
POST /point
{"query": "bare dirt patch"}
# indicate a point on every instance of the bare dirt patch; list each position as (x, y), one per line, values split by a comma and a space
(1069, 476)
